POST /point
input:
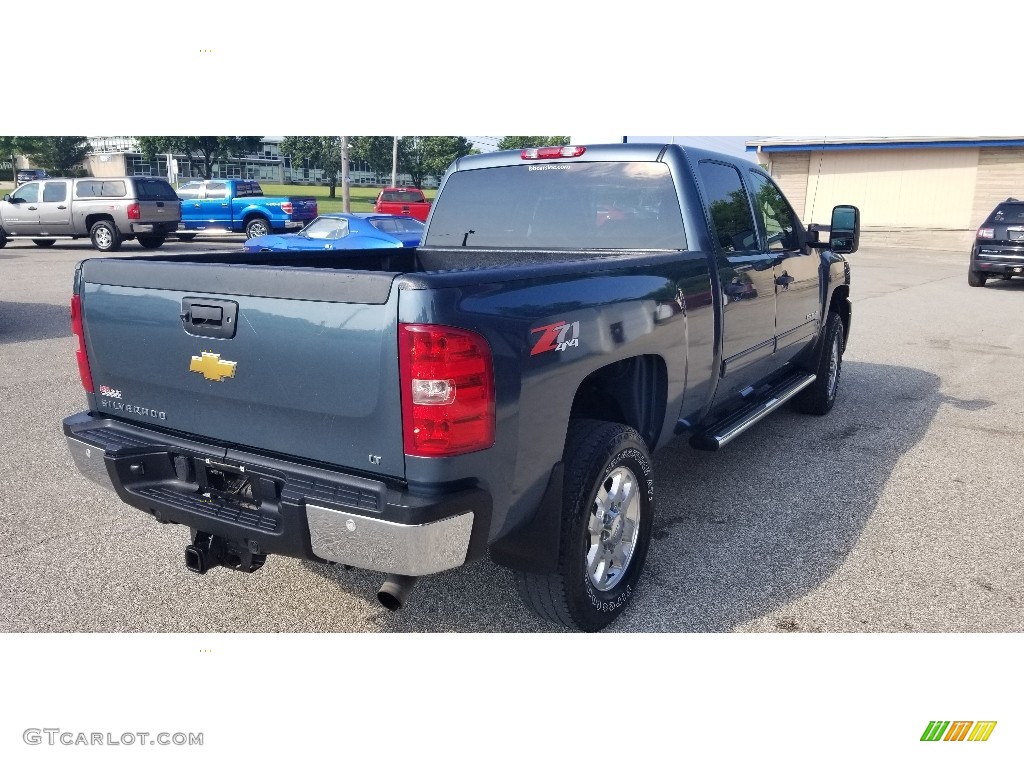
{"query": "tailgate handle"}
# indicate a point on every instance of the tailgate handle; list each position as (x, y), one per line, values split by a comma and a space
(213, 318)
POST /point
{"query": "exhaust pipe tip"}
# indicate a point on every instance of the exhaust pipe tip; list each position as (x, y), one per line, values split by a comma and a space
(394, 592)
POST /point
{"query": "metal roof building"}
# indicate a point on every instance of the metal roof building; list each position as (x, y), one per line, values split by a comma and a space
(929, 191)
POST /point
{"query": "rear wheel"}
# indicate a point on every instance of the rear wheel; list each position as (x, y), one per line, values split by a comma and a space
(151, 241)
(819, 398)
(44, 243)
(608, 509)
(975, 279)
(257, 227)
(104, 236)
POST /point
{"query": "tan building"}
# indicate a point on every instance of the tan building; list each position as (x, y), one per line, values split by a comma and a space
(930, 191)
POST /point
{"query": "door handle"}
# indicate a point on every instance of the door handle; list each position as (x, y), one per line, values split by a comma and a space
(32, 208)
(62, 207)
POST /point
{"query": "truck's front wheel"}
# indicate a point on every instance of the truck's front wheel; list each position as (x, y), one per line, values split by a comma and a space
(257, 227)
(819, 397)
(608, 509)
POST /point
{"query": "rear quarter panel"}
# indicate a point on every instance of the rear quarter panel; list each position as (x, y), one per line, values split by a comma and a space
(613, 308)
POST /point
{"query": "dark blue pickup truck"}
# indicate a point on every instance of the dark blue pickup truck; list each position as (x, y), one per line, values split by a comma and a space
(497, 391)
(233, 205)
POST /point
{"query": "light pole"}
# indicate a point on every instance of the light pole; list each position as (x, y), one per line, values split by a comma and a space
(394, 163)
(346, 194)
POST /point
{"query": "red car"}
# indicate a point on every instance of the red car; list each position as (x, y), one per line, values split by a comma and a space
(403, 201)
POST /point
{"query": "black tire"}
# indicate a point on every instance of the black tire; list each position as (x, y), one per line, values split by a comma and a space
(257, 227)
(151, 241)
(187, 237)
(3, 241)
(598, 454)
(819, 398)
(976, 279)
(104, 236)
(44, 243)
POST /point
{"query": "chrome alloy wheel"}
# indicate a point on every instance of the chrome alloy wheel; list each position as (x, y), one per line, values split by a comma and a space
(613, 529)
(104, 238)
(258, 229)
(833, 367)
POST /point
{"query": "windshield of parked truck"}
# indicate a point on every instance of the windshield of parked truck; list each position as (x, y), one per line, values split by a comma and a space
(615, 205)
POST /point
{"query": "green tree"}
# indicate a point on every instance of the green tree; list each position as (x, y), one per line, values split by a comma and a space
(62, 154)
(323, 152)
(206, 150)
(418, 156)
(12, 146)
(375, 151)
(522, 142)
(436, 153)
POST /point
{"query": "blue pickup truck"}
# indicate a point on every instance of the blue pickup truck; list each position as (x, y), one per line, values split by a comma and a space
(233, 205)
(497, 391)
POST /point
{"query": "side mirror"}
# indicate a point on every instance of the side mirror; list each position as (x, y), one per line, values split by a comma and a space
(845, 232)
(7, 198)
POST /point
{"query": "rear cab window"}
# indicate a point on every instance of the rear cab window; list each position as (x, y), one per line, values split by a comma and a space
(595, 205)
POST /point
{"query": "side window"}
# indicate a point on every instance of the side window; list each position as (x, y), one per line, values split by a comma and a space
(189, 191)
(113, 189)
(774, 213)
(729, 208)
(88, 188)
(216, 190)
(29, 193)
(55, 192)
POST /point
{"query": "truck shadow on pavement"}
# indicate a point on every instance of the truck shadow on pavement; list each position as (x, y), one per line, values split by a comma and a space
(33, 322)
(738, 534)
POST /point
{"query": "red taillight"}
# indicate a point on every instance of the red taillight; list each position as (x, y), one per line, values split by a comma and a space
(134, 212)
(986, 233)
(81, 354)
(447, 390)
(551, 153)
(287, 207)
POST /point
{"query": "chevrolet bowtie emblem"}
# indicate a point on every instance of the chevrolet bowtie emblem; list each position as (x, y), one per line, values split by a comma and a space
(212, 367)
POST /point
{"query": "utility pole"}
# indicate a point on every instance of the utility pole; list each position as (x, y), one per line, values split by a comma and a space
(394, 163)
(346, 193)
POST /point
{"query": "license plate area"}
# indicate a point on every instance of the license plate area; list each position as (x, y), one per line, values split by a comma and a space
(1015, 234)
(234, 485)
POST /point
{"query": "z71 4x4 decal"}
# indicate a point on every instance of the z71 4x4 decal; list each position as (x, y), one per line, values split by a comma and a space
(556, 337)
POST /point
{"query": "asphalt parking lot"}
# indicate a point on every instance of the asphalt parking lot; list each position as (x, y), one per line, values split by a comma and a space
(901, 511)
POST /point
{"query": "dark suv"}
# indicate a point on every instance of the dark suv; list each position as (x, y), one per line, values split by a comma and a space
(999, 246)
(30, 174)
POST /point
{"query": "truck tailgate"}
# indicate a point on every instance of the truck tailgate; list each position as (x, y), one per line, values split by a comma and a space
(151, 211)
(300, 361)
(303, 207)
